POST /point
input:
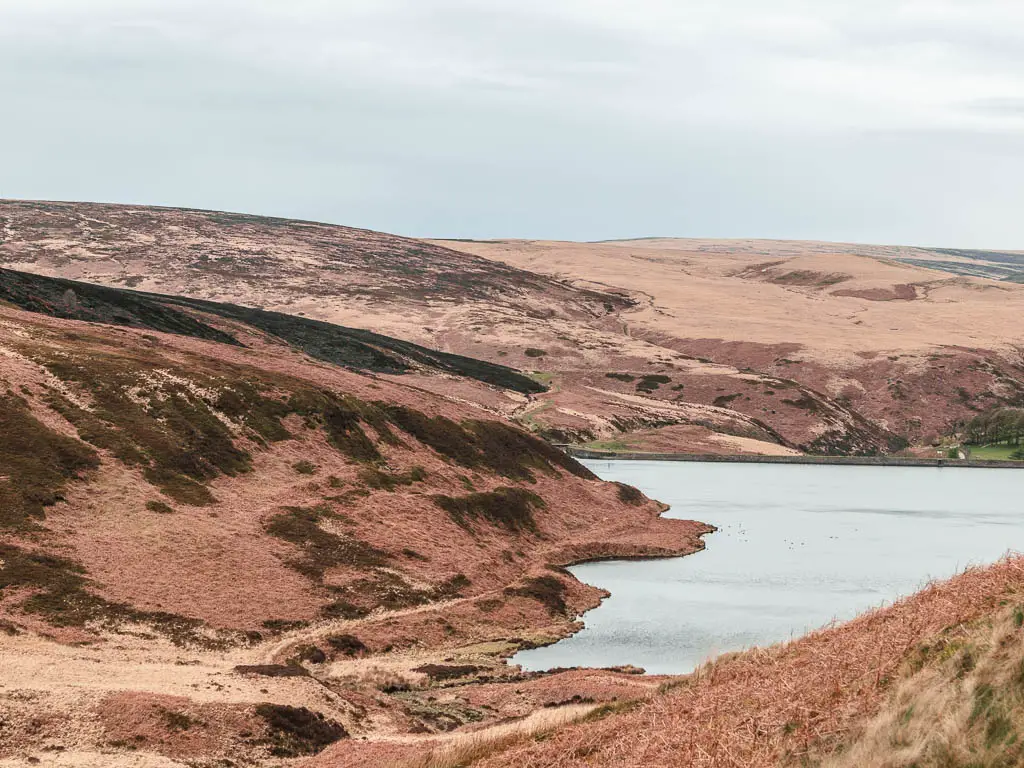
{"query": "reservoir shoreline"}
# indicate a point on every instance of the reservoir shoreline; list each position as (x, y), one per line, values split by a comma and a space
(855, 461)
(794, 550)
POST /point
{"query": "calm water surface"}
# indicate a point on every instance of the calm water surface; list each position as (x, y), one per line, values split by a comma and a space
(797, 547)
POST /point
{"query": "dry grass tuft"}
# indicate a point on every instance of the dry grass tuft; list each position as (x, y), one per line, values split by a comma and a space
(465, 748)
(961, 704)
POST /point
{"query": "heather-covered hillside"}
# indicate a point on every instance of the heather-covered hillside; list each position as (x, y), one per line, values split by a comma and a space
(217, 545)
(737, 347)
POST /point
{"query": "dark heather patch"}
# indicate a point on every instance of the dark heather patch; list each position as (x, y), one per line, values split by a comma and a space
(349, 347)
(272, 670)
(723, 401)
(173, 434)
(510, 508)
(804, 402)
(343, 609)
(176, 434)
(544, 589)
(9, 628)
(491, 445)
(177, 721)
(379, 480)
(61, 596)
(386, 589)
(346, 645)
(73, 300)
(651, 382)
(447, 671)
(342, 417)
(442, 434)
(512, 453)
(283, 625)
(630, 495)
(297, 731)
(312, 654)
(245, 401)
(451, 587)
(348, 497)
(321, 550)
(180, 488)
(36, 464)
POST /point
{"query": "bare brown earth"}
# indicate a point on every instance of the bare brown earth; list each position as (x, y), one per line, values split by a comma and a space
(214, 552)
(814, 347)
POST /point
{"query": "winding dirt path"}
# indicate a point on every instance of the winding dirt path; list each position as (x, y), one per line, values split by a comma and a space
(286, 646)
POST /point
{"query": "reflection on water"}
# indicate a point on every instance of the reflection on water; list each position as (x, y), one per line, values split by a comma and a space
(797, 547)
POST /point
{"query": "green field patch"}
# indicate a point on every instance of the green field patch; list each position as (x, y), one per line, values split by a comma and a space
(996, 452)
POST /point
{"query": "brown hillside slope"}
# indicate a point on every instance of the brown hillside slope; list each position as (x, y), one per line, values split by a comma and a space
(215, 551)
(609, 375)
(338, 274)
(910, 348)
(813, 699)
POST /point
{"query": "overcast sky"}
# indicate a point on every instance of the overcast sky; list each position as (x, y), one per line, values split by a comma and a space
(866, 120)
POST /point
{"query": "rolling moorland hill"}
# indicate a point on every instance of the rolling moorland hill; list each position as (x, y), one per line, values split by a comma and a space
(905, 338)
(228, 541)
(234, 534)
(229, 552)
(706, 346)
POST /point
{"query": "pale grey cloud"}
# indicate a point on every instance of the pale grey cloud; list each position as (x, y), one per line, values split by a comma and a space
(894, 121)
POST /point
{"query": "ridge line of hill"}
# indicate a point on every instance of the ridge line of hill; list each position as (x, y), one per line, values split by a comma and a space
(352, 347)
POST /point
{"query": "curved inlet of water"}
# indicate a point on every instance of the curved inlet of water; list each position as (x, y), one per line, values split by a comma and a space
(798, 546)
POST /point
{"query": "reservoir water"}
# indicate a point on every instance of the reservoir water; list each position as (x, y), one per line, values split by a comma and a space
(798, 546)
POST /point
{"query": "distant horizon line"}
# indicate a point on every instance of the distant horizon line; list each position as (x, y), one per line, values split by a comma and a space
(499, 239)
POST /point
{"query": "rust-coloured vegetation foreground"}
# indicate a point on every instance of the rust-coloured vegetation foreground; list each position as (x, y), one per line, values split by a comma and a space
(791, 704)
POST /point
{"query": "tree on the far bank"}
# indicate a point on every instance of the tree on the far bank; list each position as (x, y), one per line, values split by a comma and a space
(1000, 425)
